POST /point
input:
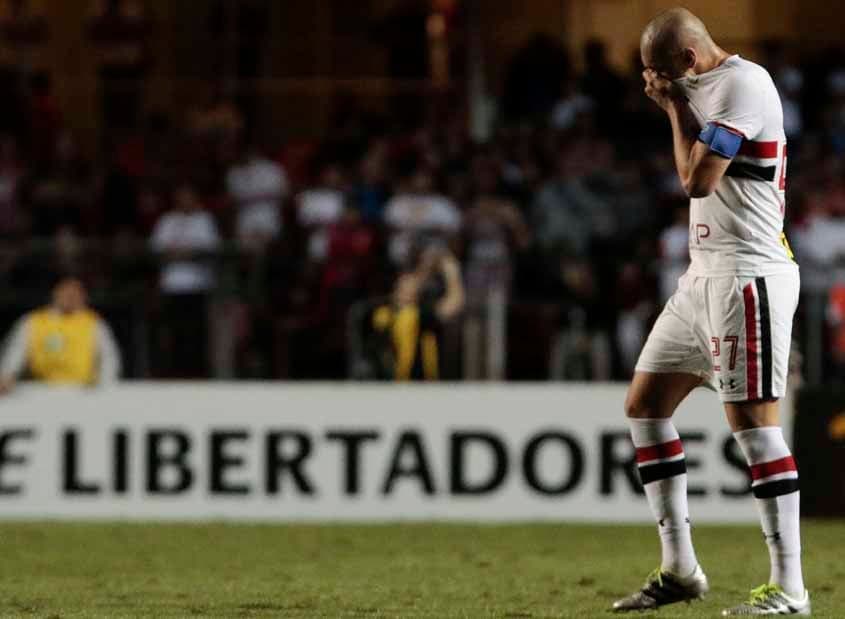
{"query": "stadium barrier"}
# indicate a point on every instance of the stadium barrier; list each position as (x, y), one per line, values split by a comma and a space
(363, 452)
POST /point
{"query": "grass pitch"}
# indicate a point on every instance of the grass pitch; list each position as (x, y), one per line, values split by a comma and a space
(413, 570)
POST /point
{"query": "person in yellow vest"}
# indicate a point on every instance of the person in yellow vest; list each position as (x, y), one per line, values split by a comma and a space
(412, 322)
(64, 343)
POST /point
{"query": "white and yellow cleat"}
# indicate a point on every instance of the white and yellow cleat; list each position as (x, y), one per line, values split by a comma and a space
(771, 600)
(662, 588)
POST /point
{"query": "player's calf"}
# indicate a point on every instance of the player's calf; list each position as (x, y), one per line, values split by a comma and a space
(775, 488)
(663, 472)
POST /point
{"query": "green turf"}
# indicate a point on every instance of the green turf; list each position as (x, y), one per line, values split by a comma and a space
(414, 570)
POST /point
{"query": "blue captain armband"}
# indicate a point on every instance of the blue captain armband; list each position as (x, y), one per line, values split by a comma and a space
(721, 140)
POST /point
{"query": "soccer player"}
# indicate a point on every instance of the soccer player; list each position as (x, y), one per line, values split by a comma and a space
(728, 325)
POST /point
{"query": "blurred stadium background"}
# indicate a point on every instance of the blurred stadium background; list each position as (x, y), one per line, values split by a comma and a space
(256, 190)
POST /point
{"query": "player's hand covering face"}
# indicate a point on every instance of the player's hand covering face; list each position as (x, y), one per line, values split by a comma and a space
(660, 90)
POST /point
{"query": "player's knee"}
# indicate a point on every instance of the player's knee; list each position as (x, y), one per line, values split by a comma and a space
(637, 407)
(751, 415)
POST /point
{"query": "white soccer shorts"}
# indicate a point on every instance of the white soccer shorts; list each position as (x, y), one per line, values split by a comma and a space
(733, 332)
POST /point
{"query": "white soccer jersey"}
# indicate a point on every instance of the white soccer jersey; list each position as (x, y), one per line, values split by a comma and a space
(738, 229)
(730, 321)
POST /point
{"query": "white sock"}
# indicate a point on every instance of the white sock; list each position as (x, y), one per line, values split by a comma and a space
(663, 471)
(775, 486)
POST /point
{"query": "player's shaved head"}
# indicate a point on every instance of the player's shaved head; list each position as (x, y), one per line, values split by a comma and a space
(669, 38)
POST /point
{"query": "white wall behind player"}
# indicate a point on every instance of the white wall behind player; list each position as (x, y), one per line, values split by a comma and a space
(348, 453)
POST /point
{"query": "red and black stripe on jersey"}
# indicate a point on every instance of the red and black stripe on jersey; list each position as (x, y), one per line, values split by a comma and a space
(754, 170)
(661, 461)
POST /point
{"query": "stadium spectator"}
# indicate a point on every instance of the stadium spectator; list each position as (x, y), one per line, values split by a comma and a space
(819, 241)
(834, 114)
(674, 252)
(836, 322)
(246, 23)
(120, 31)
(411, 324)
(348, 264)
(789, 80)
(532, 84)
(23, 33)
(634, 307)
(582, 347)
(118, 197)
(11, 174)
(64, 343)
(634, 215)
(257, 186)
(61, 192)
(603, 85)
(218, 119)
(567, 213)
(372, 190)
(45, 121)
(493, 230)
(571, 108)
(321, 206)
(68, 251)
(150, 152)
(403, 34)
(521, 168)
(183, 237)
(599, 203)
(417, 211)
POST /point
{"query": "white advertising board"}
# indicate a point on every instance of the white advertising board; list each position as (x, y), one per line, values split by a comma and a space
(282, 452)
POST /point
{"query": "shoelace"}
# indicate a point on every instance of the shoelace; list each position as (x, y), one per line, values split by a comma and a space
(762, 594)
(656, 575)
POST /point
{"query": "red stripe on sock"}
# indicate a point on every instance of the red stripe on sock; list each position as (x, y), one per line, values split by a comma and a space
(767, 469)
(751, 375)
(658, 452)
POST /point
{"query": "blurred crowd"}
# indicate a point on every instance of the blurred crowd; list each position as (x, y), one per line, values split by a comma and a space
(243, 258)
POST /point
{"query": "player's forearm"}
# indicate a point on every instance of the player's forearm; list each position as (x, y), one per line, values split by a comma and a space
(684, 134)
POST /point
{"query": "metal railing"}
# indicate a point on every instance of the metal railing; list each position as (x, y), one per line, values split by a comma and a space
(123, 284)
